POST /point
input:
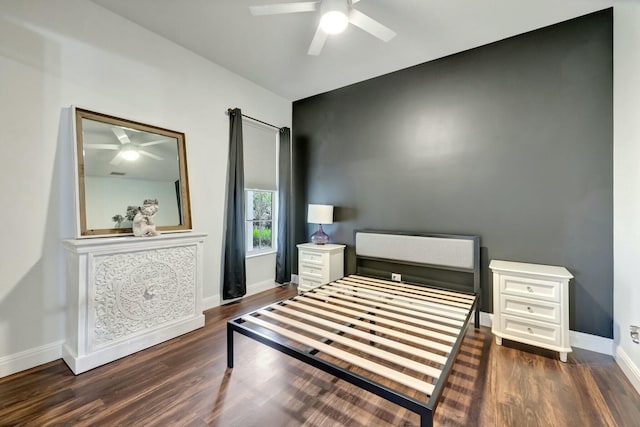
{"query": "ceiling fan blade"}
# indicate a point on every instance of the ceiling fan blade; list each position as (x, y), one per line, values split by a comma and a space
(370, 25)
(280, 8)
(146, 144)
(318, 42)
(116, 160)
(148, 154)
(102, 146)
(121, 135)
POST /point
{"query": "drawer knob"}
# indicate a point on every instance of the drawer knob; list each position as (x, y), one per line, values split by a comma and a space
(529, 288)
(529, 310)
(530, 330)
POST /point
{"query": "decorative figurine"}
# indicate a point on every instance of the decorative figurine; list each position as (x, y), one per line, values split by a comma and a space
(143, 225)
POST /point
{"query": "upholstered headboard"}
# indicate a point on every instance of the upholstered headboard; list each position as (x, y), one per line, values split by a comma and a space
(440, 251)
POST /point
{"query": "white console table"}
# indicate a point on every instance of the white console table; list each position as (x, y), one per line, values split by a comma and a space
(125, 294)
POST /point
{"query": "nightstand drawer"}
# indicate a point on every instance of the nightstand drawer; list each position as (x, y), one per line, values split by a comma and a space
(530, 308)
(307, 269)
(307, 283)
(532, 332)
(528, 287)
(309, 257)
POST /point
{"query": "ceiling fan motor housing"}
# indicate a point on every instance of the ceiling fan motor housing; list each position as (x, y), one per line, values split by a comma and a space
(334, 15)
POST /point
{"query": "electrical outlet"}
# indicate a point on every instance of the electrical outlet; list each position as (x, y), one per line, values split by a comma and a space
(635, 333)
(396, 277)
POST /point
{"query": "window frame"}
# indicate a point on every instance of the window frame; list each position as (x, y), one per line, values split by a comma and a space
(248, 224)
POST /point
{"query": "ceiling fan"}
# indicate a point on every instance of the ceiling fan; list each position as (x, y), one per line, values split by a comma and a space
(128, 149)
(335, 15)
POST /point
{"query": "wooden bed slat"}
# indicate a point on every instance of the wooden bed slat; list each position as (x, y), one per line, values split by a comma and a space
(416, 287)
(370, 314)
(403, 295)
(361, 362)
(362, 334)
(346, 300)
(416, 293)
(412, 302)
(422, 336)
(365, 297)
(428, 334)
(357, 345)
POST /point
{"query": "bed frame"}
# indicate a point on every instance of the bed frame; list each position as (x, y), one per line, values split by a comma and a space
(394, 326)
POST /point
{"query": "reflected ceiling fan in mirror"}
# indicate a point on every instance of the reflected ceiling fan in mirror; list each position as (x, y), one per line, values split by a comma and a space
(127, 148)
(335, 15)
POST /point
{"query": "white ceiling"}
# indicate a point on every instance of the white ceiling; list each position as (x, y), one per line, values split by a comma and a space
(272, 50)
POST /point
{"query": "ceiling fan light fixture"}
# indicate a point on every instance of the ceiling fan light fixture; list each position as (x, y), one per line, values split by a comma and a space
(334, 22)
(334, 14)
(130, 155)
(335, 17)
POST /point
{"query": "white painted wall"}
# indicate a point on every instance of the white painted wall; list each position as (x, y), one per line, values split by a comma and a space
(261, 273)
(105, 195)
(73, 52)
(626, 194)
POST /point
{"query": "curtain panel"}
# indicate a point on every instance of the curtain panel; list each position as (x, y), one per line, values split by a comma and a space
(234, 284)
(285, 235)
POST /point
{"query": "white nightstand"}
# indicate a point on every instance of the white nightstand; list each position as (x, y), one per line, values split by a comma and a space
(531, 305)
(319, 264)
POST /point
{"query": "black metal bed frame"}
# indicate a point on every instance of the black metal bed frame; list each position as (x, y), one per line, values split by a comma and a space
(426, 409)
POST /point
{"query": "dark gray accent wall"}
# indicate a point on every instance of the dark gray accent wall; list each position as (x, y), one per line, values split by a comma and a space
(512, 141)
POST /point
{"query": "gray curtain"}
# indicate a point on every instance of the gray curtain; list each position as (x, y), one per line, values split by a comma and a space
(285, 236)
(234, 284)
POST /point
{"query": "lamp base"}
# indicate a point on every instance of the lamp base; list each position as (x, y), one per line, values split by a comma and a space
(319, 237)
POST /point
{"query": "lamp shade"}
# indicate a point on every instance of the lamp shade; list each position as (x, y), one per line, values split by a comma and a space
(320, 214)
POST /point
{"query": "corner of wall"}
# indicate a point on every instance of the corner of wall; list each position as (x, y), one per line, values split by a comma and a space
(630, 369)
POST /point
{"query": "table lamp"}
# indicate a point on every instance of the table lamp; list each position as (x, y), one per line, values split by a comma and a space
(320, 214)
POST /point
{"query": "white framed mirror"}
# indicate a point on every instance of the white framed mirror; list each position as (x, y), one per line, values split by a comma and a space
(120, 164)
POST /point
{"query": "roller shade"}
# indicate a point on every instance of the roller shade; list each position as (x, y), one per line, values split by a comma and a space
(260, 156)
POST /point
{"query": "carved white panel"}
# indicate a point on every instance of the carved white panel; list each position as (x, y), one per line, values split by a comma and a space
(140, 291)
(126, 294)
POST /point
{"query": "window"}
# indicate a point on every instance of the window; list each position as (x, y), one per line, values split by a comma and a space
(261, 185)
(259, 222)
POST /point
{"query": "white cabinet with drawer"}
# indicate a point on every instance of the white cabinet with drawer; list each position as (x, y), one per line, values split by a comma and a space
(319, 264)
(531, 304)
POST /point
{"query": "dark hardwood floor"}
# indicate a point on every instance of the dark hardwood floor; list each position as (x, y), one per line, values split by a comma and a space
(185, 382)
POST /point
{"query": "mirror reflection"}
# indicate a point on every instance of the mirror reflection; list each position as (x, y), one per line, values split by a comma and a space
(122, 163)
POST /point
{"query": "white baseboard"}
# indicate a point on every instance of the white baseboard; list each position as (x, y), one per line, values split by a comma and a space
(210, 302)
(486, 319)
(256, 288)
(591, 342)
(30, 358)
(252, 289)
(577, 339)
(630, 369)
